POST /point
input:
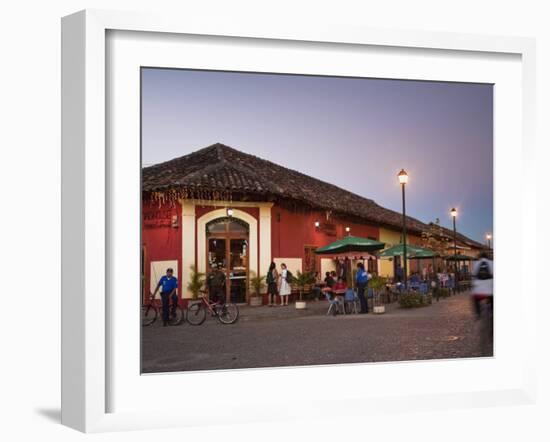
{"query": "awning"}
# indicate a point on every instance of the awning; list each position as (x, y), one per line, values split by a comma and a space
(350, 244)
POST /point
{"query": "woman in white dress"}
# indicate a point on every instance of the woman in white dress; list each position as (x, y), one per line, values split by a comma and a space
(284, 286)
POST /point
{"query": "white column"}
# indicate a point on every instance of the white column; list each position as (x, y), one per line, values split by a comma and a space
(188, 245)
(265, 238)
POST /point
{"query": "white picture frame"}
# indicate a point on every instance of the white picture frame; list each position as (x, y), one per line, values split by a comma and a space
(87, 212)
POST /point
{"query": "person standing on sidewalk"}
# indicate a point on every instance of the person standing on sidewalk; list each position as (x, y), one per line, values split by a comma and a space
(285, 279)
(216, 284)
(167, 285)
(272, 278)
(362, 279)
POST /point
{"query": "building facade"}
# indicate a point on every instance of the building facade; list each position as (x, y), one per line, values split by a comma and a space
(219, 206)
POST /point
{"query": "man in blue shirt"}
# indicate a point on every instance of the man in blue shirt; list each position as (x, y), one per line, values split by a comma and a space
(362, 279)
(167, 285)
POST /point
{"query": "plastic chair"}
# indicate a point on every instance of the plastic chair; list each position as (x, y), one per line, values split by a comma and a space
(423, 288)
(350, 297)
(332, 304)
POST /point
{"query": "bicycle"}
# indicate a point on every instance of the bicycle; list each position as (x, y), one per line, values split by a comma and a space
(150, 312)
(227, 313)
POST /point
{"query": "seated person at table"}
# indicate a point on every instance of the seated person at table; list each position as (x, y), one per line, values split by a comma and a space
(340, 285)
(329, 280)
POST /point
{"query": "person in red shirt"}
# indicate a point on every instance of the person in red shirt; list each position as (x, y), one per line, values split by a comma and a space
(340, 285)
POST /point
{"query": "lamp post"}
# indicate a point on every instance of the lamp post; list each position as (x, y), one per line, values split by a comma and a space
(403, 178)
(348, 230)
(488, 236)
(454, 213)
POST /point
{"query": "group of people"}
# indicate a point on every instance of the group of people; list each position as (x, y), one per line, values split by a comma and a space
(333, 285)
(278, 284)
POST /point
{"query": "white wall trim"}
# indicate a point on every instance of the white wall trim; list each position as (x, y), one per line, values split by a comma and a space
(265, 238)
(187, 245)
(226, 203)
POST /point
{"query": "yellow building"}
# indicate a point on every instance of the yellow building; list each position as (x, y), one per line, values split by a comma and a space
(392, 238)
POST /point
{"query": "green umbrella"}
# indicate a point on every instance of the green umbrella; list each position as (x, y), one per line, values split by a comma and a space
(412, 251)
(351, 244)
(423, 253)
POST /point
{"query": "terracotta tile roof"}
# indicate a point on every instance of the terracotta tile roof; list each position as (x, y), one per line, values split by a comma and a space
(221, 172)
(449, 234)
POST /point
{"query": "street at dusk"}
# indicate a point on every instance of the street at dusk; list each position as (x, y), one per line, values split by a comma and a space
(283, 336)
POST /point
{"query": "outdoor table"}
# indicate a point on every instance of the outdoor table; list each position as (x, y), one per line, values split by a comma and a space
(338, 295)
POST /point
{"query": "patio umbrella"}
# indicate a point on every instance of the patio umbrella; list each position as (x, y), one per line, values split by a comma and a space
(397, 250)
(350, 244)
(355, 256)
(422, 253)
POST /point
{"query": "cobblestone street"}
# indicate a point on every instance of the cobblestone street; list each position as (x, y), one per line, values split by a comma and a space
(283, 336)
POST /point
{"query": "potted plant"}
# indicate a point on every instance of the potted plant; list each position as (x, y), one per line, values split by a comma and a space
(302, 280)
(256, 283)
(377, 283)
(196, 282)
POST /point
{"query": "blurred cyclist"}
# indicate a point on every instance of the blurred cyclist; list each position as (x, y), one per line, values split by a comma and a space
(482, 284)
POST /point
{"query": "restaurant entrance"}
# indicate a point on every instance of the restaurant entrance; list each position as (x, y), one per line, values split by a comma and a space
(227, 246)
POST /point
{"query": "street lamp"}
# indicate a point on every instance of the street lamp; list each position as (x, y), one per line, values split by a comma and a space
(347, 230)
(454, 214)
(488, 236)
(317, 224)
(403, 178)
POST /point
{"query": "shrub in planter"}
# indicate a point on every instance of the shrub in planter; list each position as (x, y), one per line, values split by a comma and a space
(256, 283)
(441, 292)
(196, 282)
(301, 281)
(412, 300)
(377, 283)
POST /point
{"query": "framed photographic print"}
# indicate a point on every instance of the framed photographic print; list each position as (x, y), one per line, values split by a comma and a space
(288, 211)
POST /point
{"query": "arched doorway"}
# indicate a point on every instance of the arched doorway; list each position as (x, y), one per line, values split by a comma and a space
(227, 245)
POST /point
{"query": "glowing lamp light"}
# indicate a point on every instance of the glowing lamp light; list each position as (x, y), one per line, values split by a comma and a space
(317, 224)
(403, 177)
(229, 212)
(454, 212)
(489, 236)
(347, 229)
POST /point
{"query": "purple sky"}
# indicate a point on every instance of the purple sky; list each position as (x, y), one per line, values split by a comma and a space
(355, 133)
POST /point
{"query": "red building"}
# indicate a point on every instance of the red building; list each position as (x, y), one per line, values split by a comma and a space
(219, 205)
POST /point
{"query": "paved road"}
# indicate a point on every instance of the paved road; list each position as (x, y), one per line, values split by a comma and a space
(282, 336)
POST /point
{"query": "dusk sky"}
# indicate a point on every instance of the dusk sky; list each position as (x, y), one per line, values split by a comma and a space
(356, 133)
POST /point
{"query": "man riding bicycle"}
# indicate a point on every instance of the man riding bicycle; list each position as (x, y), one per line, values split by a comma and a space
(482, 283)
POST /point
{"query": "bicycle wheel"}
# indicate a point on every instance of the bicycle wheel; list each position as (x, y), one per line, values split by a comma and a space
(196, 314)
(148, 315)
(228, 313)
(176, 316)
